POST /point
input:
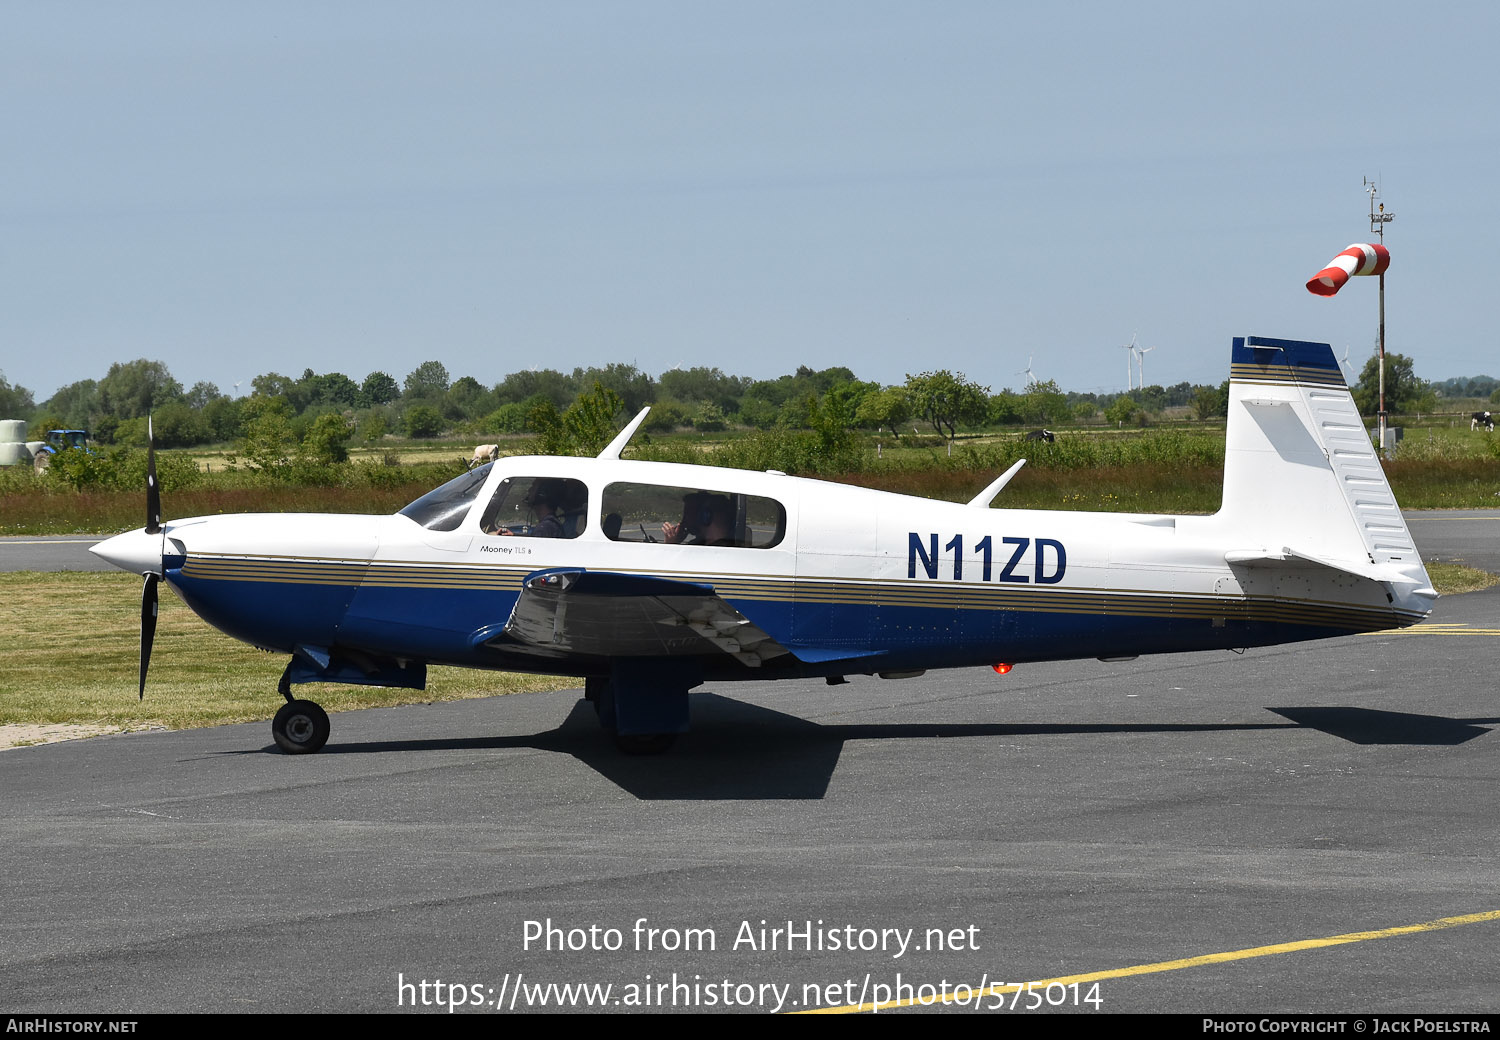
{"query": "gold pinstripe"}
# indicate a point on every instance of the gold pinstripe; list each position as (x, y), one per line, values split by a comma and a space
(919, 593)
(1290, 375)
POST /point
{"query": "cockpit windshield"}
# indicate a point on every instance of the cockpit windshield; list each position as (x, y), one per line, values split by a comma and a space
(444, 508)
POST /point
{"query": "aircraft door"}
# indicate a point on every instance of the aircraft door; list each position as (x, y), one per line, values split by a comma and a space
(836, 599)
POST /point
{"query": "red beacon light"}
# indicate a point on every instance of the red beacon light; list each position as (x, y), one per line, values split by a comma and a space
(1001, 669)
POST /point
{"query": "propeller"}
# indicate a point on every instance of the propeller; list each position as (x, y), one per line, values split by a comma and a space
(153, 493)
(148, 591)
(148, 626)
(140, 552)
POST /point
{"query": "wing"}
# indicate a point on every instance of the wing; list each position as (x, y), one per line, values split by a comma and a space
(561, 613)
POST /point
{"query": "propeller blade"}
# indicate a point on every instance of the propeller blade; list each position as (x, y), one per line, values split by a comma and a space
(153, 493)
(148, 626)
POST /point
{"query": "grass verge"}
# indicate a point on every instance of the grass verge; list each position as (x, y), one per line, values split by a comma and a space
(74, 651)
(1451, 579)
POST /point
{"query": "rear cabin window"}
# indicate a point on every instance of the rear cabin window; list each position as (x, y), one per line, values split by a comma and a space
(690, 516)
(537, 507)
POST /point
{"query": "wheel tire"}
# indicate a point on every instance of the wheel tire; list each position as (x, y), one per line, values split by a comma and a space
(300, 727)
(644, 743)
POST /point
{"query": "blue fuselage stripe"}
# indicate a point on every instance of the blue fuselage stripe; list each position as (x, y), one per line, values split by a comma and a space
(906, 624)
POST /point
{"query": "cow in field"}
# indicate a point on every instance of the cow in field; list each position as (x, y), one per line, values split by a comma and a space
(1041, 435)
(1478, 419)
(484, 453)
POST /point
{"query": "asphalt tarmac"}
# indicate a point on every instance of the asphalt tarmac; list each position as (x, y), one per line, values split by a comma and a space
(1323, 814)
(51, 552)
(1071, 820)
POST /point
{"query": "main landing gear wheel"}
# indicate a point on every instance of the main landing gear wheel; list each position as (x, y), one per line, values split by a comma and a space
(300, 727)
(645, 743)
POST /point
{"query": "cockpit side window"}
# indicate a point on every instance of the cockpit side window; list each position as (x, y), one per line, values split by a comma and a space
(444, 508)
(537, 507)
(690, 516)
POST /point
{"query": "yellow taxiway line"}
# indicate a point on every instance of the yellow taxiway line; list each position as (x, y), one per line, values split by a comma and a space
(1453, 628)
(1185, 962)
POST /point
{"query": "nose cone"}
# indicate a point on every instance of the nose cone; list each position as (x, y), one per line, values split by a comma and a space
(133, 551)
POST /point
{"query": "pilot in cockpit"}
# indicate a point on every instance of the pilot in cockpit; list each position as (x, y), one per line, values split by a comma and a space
(543, 502)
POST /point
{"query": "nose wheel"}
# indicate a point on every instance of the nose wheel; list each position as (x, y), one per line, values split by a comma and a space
(300, 727)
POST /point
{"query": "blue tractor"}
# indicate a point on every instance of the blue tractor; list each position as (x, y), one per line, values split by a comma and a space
(60, 440)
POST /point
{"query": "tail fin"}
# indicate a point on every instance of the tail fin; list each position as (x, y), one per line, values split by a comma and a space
(1301, 478)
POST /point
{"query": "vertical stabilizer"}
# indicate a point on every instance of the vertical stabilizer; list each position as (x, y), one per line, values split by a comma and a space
(1301, 478)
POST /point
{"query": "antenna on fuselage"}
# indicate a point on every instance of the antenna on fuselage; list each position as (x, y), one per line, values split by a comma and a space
(613, 449)
(985, 497)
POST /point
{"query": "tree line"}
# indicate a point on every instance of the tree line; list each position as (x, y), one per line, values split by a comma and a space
(331, 407)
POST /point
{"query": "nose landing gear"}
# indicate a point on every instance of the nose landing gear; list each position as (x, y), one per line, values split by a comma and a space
(300, 727)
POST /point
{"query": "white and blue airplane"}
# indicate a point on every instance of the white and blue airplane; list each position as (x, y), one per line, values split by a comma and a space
(647, 579)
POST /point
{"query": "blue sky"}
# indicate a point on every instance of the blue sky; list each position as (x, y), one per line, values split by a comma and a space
(242, 188)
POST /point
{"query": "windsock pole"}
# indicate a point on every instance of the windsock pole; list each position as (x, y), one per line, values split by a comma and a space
(1380, 338)
(1358, 259)
(1378, 221)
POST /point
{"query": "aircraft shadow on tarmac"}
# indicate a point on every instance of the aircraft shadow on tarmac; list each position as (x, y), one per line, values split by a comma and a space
(1369, 726)
(744, 751)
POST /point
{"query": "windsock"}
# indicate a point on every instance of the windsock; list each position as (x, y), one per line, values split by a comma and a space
(1357, 259)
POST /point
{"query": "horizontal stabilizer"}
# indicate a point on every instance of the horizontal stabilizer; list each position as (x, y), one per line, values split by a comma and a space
(1371, 571)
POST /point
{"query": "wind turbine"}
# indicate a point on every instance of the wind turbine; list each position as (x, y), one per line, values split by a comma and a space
(1140, 360)
(1344, 363)
(1030, 377)
(1130, 347)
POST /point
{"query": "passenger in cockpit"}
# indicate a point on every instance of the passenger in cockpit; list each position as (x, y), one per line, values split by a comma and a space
(706, 517)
